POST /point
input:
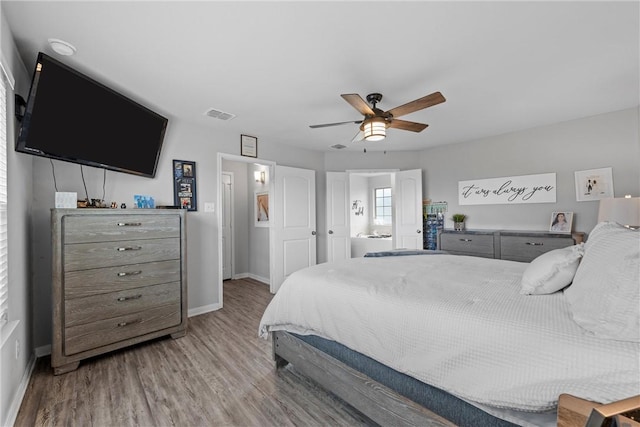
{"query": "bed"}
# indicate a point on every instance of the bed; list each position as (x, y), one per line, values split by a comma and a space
(439, 339)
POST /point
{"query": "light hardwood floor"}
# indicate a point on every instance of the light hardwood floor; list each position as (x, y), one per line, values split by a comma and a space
(219, 374)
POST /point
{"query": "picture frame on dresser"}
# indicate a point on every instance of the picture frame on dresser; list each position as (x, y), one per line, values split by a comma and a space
(561, 222)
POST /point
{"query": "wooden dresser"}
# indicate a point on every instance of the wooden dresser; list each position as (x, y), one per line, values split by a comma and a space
(522, 246)
(119, 278)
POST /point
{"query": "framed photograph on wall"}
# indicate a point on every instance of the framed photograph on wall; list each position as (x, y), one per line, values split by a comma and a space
(561, 222)
(248, 146)
(594, 184)
(184, 185)
(261, 209)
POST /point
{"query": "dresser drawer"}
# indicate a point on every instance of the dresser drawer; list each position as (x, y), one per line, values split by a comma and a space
(101, 228)
(83, 283)
(527, 248)
(468, 244)
(103, 332)
(79, 311)
(84, 256)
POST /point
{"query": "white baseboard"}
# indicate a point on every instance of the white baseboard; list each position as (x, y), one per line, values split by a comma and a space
(22, 389)
(264, 280)
(45, 350)
(204, 309)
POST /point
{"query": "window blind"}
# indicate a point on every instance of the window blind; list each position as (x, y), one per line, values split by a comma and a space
(4, 282)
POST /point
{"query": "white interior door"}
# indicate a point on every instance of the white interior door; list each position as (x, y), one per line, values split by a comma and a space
(227, 225)
(338, 233)
(407, 221)
(294, 223)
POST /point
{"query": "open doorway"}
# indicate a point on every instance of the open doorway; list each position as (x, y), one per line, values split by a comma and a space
(371, 212)
(244, 233)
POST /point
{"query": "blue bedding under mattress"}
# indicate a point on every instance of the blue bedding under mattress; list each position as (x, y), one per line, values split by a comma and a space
(442, 403)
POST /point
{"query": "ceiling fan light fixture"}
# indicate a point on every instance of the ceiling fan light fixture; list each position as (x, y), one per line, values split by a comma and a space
(375, 129)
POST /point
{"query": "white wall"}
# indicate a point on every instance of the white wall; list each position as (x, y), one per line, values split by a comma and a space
(13, 369)
(358, 190)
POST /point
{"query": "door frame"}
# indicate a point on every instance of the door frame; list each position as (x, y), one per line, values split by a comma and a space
(232, 238)
(241, 159)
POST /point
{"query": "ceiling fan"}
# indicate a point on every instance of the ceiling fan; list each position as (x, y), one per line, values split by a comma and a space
(373, 126)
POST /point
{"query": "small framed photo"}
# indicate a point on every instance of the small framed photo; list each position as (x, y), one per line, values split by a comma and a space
(561, 222)
(594, 184)
(248, 146)
(261, 211)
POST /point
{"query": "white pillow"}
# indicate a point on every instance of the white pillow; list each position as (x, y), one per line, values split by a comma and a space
(605, 294)
(551, 271)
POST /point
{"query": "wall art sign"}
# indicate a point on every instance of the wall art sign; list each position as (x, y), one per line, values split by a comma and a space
(184, 185)
(540, 188)
(594, 184)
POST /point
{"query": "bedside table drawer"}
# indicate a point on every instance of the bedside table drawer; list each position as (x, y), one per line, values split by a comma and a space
(528, 248)
(468, 244)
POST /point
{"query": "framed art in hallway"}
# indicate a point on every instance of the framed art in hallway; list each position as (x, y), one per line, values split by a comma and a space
(261, 212)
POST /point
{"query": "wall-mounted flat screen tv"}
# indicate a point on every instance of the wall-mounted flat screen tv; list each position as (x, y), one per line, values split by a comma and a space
(70, 116)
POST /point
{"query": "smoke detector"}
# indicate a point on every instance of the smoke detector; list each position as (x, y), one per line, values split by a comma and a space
(338, 146)
(62, 47)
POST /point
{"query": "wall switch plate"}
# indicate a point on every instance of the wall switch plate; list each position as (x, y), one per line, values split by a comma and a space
(209, 207)
(66, 200)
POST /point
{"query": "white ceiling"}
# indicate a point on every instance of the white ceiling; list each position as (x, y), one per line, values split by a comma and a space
(281, 66)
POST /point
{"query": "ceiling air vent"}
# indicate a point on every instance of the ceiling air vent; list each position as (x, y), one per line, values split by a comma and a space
(217, 114)
(338, 146)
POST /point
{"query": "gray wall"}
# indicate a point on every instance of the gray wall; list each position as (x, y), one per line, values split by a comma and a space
(607, 140)
(241, 215)
(183, 141)
(19, 187)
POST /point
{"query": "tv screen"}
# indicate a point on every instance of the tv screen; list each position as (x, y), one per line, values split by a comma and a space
(71, 117)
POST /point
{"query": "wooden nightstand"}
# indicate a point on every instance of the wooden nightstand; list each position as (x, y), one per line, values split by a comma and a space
(576, 412)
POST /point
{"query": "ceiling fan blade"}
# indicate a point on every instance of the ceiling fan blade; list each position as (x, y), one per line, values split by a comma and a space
(405, 125)
(419, 104)
(358, 103)
(334, 124)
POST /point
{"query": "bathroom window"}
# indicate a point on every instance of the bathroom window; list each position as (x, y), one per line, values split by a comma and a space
(383, 206)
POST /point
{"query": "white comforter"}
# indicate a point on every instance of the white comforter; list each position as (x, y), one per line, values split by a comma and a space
(460, 324)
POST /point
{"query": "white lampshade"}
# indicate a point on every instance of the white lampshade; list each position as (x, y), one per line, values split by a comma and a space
(623, 210)
(374, 129)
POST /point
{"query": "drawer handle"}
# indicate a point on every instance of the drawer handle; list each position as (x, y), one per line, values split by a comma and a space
(130, 297)
(129, 248)
(123, 324)
(466, 240)
(129, 273)
(534, 244)
(129, 224)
